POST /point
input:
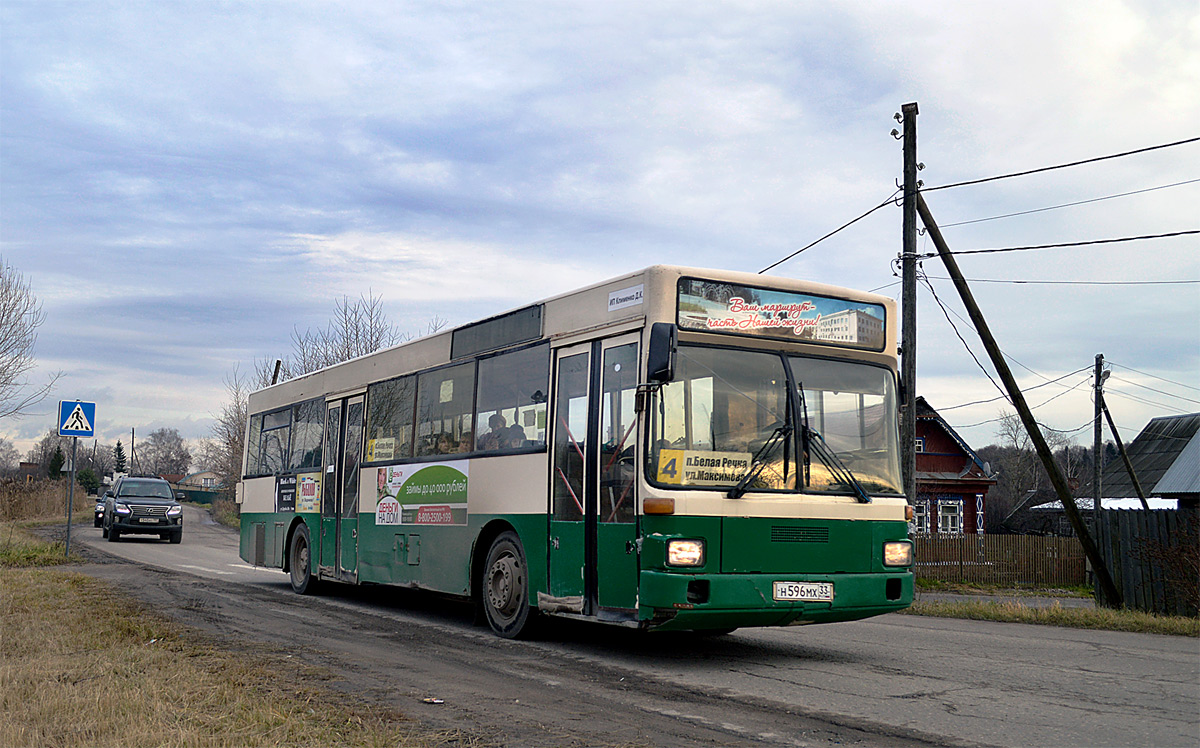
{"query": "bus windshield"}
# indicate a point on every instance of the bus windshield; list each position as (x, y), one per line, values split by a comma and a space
(729, 413)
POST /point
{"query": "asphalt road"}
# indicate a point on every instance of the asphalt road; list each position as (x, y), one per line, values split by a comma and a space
(892, 680)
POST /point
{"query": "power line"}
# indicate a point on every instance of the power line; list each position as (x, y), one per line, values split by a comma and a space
(1061, 166)
(1069, 205)
(1161, 392)
(1070, 283)
(954, 327)
(1027, 389)
(831, 233)
(1064, 244)
(1152, 376)
(1142, 400)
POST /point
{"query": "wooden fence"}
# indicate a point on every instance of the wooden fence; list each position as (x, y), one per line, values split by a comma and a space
(1006, 560)
(1154, 557)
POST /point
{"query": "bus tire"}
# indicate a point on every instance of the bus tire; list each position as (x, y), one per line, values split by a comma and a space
(300, 562)
(505, 587)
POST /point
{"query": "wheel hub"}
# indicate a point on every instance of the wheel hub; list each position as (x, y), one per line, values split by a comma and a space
(501, 586)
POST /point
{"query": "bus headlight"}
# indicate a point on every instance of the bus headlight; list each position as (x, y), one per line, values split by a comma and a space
(898, 553)
(685, 553)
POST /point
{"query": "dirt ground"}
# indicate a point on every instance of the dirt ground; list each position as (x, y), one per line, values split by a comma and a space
(402, 650)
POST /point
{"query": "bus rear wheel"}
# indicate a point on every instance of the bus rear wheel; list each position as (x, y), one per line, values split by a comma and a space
(300, 562)
(505, 588)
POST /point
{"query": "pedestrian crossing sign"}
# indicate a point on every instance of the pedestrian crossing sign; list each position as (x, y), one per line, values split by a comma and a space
(76, 418)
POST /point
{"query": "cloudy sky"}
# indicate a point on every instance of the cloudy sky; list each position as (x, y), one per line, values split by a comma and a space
(184, 184)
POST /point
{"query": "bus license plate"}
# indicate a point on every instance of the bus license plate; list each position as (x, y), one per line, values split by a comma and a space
(804, 591)
(148, 520)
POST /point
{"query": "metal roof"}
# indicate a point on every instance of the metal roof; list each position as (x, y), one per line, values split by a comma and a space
(1184, 475)
(1154, 452)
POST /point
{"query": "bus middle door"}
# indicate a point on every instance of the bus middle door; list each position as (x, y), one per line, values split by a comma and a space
(593, 560)
(339, 503)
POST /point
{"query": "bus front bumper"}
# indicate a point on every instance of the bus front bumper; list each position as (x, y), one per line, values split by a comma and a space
(672, 601)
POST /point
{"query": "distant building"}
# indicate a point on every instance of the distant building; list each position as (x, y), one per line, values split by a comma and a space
(952, 482)
(203, 487)
(1166, 459)
(851, 326)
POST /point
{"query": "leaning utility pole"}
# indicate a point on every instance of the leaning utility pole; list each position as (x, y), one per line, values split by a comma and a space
(908, 328)
(1111, 595)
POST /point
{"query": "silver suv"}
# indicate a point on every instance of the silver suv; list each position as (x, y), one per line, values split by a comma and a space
(145, 506)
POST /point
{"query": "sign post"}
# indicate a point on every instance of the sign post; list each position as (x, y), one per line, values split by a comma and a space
(75, 419)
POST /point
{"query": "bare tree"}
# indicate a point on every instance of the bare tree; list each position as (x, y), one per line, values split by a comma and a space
(9, 458)
(165, 453)
(356, 328)
(1019, 470)
(44, 449)
(20, 316)
(223, 455)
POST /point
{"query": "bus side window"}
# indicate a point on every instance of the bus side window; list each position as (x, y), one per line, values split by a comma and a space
(511, 401)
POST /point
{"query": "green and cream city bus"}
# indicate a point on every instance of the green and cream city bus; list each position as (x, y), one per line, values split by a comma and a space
(674, 449)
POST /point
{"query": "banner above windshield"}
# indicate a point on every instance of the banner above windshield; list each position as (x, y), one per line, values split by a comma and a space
(713, 306)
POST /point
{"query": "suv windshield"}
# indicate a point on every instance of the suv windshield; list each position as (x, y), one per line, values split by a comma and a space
(152, 489)
(729, 413)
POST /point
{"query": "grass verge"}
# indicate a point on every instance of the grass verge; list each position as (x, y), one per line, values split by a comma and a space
(83, 665)
(19, 549)
(971, 588)
(1056, 615)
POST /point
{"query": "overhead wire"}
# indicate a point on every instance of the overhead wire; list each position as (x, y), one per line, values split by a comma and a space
(1060, 166)
(1152, 376)
(1070, 283)
(1069, 205)
(831, 233)
(1027, 389)
(1161, 392)
(1144, 401)
(1116, 240)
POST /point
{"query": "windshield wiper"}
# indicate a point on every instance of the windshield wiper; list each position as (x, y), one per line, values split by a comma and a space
(781, 432)
(836, 467)
(812, 441)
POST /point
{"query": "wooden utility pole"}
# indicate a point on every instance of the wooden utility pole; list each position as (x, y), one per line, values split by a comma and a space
(908, 306)
(1097, 430)
(1110, 594)
(1137, 484)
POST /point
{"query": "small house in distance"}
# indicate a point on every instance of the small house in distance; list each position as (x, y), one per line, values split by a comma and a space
(952, 482)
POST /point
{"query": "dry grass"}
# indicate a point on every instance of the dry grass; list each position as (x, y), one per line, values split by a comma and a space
(1057, 615)
(20, 549)
(81, 665)
(39, 499)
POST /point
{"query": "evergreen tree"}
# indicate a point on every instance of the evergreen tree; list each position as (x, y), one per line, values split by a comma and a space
(119, 458)
(88, 479)
(56, 463)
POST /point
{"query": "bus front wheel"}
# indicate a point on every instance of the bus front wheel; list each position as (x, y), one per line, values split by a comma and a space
(300, 562)
(505, 588)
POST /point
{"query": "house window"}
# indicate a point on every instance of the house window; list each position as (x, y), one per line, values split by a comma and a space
(950, 516)
(920, 445)
(209, 482)
(921, 517)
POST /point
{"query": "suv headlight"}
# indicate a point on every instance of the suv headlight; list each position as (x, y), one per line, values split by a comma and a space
(685, 553)
(898, 553)
(122, 509)
(175, 511)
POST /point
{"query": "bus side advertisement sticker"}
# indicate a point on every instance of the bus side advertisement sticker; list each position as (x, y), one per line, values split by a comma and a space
(427, 494)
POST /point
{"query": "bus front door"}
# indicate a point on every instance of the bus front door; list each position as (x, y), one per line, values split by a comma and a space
(593, 558)
(339, 501)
